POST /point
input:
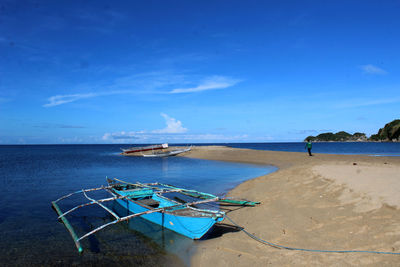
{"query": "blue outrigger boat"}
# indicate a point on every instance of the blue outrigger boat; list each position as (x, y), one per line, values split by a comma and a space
(163, 204)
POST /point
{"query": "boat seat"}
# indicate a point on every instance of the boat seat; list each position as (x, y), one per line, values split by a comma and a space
(149, 202)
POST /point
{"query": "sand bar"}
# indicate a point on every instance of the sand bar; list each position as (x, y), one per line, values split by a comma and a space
(330, 202)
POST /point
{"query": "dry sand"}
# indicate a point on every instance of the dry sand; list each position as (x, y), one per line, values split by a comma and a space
(330, 202)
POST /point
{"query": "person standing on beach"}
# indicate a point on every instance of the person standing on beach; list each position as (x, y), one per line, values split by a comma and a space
(309, 146)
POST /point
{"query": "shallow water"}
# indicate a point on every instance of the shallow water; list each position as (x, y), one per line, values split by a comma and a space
(33, 176)
(353, 148)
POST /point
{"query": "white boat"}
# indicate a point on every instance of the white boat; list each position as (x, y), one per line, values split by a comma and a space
(168, 153)
(143, 148)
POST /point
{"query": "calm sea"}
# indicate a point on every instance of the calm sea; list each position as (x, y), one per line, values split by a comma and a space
(34, 175)
(354, 148)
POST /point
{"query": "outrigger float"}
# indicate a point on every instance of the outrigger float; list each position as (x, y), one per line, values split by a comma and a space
(167, 153)
(151, 202)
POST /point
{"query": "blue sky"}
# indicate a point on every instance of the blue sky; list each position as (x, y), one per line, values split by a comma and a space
(196, 71)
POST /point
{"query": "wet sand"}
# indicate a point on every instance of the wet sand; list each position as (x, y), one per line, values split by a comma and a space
(328, 202)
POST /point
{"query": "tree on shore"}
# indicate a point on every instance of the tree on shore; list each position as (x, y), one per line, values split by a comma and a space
(391, 132)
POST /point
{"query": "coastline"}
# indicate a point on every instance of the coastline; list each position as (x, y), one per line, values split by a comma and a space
(330, 202)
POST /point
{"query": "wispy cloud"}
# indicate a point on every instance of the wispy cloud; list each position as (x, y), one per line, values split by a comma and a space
(148, 83)
(211, 83)
(121, 136)
(371, 69)
(63, 99)
(366, 102)
(141, 83)
(56, 125)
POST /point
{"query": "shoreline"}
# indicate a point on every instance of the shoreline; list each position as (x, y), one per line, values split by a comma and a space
(327, 201)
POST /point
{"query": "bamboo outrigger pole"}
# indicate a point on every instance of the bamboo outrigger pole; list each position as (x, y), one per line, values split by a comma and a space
(206, 198)
(144, 213)
(61, 215)
(69, 227)
(118, 219)
(83, 190)
(88, 204)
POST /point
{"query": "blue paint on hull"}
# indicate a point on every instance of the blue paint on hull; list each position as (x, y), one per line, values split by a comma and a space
(192, 227)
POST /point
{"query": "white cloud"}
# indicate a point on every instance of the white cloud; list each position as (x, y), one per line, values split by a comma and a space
(213, 137)
(46, 125)
(173, 126)
(122, 136)
(353, 103)
(173, 132)
(63, 99)
(371, 69)
(135, 137)
(211, 83)
(146, 83)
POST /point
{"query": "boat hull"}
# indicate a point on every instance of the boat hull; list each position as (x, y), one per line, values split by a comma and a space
(192, 227)
(146, 148)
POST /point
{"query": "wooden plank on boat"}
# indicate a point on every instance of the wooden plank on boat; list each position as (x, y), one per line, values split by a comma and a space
(226, 200)
(197, 194)
(192, 193)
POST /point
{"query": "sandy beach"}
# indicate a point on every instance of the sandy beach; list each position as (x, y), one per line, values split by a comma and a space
(327, 202)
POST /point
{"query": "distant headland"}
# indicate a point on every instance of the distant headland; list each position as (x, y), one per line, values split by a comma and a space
(389, 133)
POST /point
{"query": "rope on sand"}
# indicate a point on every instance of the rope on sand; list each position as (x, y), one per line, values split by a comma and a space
(304, 249)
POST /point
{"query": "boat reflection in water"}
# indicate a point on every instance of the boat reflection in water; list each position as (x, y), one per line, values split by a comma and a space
(166, 239)
(174, 216)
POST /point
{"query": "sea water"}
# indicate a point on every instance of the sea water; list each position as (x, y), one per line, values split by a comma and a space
(350, 148)
(34, 175)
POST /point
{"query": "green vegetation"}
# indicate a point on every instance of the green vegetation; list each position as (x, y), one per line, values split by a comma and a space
(338, 137)
(391, 132)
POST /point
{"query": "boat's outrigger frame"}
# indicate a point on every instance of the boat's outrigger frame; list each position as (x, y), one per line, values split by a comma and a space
(206, 198)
